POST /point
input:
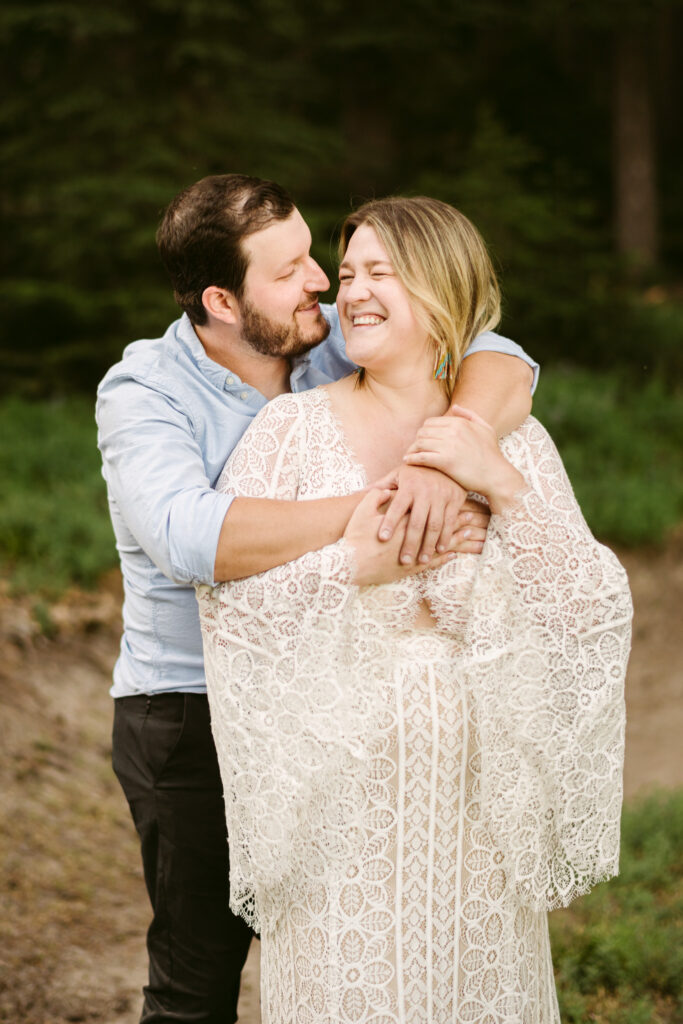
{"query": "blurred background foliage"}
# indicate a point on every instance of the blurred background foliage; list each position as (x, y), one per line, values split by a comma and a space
(554, 124)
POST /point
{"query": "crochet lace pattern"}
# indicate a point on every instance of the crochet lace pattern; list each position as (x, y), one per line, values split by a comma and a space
(404, 805)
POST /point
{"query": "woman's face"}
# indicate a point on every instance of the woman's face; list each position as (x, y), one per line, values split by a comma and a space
(376, 313)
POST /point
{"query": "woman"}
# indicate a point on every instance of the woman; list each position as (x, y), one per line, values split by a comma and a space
(415, 772)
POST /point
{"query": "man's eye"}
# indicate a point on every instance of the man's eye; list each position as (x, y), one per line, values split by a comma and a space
(285, 277)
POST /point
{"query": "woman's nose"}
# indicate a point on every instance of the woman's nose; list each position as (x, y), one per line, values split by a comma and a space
(357, 290)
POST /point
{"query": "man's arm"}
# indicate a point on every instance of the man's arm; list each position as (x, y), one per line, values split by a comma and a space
(260, 533)
(497, 387)
(256, 535)
(156, 478)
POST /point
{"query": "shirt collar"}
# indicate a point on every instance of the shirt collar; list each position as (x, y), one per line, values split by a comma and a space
(187, 336)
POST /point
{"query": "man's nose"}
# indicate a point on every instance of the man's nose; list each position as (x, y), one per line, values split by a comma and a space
(316, 278)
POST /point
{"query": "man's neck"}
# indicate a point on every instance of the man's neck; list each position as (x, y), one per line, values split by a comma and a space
(268, 374)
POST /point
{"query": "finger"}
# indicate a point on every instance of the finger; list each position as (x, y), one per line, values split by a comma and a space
(374, 499)
(432, 459)
(433, 530)
(461, 410)
(450, 525)
(466, 518)
(389, 481)
(468, 414)
(425, 436)
(436, 563)
(470, 535)
(438, 422)
(469, 547)
(480, 522)
(394, 514)
(414, 533)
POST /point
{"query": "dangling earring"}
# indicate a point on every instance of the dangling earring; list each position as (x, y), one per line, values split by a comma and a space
(442, 367)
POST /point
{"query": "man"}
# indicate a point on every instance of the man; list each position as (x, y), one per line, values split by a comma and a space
(169, 414)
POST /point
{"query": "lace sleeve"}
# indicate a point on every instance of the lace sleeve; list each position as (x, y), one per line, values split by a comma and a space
(288, 726)
(548, 638)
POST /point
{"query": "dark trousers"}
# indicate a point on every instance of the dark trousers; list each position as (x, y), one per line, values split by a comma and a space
(165, 760)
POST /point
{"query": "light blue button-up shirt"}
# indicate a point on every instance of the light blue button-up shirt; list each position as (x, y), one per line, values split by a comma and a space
(168, 418)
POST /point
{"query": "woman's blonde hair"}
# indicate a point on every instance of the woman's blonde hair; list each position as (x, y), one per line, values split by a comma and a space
(442, 261)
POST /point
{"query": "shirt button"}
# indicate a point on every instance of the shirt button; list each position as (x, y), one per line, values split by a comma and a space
(243, 396)
(230, 381)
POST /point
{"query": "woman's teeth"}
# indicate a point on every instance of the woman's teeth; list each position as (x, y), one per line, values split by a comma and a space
(367, 320)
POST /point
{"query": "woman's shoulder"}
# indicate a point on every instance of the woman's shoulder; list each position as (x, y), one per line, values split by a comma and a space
(284, 410)
(293, 403)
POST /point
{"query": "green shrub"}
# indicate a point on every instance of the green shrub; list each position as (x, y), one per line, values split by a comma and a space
(54, 523)
(622, 446)
(618, 952)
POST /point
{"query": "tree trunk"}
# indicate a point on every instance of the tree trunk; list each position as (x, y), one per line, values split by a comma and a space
(634, 153)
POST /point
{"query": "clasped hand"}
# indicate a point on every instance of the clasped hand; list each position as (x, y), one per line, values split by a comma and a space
(419, 516)
(412, 520)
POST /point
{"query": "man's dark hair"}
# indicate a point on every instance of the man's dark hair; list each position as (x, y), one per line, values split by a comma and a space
(201, 233)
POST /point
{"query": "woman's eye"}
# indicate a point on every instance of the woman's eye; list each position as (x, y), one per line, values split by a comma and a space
(345, 278)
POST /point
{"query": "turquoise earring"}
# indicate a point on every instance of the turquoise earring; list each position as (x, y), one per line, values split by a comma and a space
(441, 372)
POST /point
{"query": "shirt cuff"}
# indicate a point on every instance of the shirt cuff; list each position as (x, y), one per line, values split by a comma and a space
(193, 553)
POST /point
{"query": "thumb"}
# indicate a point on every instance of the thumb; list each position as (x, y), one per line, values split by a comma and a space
(467, 414)
(374, 499)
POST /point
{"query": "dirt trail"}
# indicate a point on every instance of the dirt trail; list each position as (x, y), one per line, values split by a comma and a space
(73, 910)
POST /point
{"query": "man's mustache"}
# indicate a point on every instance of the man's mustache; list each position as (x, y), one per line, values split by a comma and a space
(310, 301)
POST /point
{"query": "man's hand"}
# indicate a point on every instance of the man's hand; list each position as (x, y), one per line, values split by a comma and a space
(377, 561)
(441, 517)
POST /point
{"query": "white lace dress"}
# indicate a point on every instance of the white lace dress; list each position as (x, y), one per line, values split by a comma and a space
(404, 805)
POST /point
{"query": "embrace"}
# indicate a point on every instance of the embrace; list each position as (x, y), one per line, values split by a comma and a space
(414, 649)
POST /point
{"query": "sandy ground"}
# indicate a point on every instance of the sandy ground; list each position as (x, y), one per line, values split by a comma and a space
(73, 909)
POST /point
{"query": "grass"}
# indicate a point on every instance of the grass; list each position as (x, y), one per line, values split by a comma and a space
(618, 952)
(54, 522)
(623, 449)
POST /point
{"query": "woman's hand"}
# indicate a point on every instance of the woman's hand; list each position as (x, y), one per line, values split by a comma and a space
(433, 502)
(377, 561)
(465, 447)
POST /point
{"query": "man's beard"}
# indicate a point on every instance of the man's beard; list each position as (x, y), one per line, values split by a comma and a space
(271, 338)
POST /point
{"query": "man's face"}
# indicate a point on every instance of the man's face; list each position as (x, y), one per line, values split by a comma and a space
(280, 314)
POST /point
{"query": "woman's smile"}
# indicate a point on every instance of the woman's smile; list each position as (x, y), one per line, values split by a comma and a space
(366, 319)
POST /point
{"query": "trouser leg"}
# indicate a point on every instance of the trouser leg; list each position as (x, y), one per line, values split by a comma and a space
(166, 763)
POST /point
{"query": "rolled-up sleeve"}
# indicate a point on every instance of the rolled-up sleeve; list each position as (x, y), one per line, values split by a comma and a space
(157, 482)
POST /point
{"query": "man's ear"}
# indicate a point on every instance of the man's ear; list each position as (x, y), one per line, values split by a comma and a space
(220, 304)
